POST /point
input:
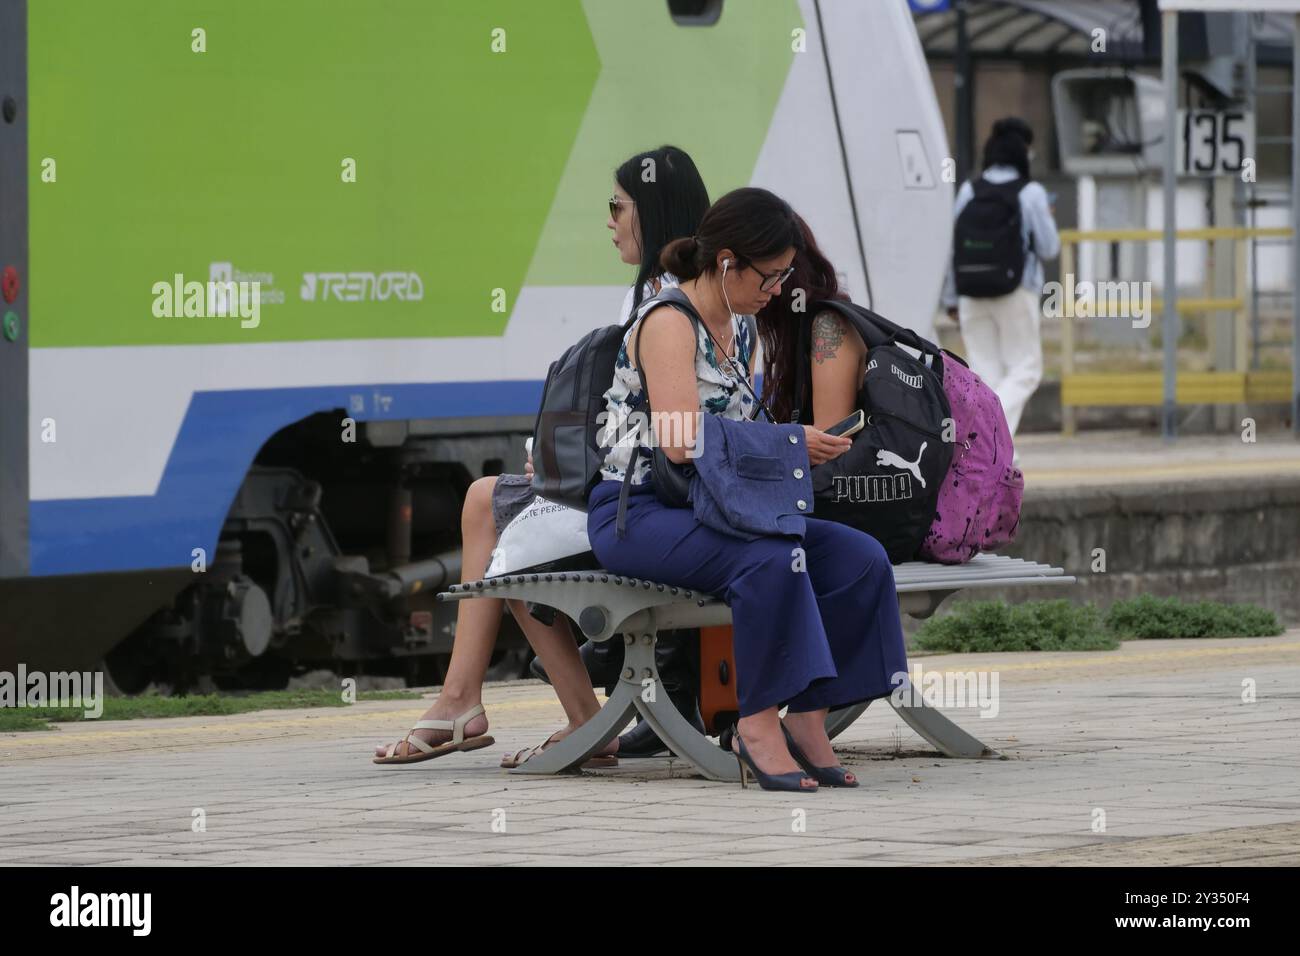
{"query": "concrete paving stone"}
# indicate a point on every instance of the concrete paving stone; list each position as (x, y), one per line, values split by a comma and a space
(1040, 841)
(85, 861)
(964, 837)
(1267, 845)
(158, 862)
(948, 854)
(1167, 756)
(597, 849)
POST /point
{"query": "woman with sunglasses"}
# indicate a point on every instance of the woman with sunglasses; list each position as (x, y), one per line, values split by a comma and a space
(816, 622)
(643, 216)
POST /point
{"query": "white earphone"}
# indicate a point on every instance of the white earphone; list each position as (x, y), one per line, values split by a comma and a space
(725, 264)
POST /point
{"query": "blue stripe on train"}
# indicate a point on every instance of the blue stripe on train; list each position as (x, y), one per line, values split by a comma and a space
(219, 436)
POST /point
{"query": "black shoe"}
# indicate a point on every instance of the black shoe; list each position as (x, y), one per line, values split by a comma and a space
(795, 780)
(642, 741)
(603, 661)
(676, 659)
(835, 776)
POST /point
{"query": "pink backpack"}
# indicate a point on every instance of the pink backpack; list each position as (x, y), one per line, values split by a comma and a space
(979, 503)
(978, 508)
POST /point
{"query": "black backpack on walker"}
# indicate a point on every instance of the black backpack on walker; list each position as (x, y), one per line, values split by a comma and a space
(988, 251)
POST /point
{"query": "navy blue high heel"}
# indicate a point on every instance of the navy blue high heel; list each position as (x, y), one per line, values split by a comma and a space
(835, 776)
(768, 781)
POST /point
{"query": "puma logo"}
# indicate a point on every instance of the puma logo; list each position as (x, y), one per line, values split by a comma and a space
(887, 457)
(872, 488)
(912, 380)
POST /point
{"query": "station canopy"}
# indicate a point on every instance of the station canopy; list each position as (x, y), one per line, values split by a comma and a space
(1063, 29)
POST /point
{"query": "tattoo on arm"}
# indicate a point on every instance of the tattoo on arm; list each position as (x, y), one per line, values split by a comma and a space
(827, 336)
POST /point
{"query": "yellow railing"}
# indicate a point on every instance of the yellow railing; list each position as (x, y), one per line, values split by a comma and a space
(1147, 388)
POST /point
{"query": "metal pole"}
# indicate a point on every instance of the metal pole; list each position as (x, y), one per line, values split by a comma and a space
(965, 102)
(1068, 418)
(1252, 196)
(1169, 324)
(1295, 234)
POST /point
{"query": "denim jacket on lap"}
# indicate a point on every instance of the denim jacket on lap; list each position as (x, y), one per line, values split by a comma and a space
(751, 478)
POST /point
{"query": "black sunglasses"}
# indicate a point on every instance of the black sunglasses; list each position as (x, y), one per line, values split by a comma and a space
(770, 279)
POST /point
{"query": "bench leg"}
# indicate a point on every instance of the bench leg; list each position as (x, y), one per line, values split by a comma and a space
(838, 721)
(941, 732)
(590, 737)
(673, 729)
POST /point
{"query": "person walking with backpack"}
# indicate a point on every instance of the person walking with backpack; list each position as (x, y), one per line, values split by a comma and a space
(644, 215)
(1003, 231)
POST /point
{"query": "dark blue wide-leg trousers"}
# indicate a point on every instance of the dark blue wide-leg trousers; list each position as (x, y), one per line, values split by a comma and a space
(815, 622)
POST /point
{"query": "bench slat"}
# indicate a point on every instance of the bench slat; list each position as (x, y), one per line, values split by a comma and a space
(983, 570)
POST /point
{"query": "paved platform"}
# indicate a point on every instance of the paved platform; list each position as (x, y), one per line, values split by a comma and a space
(1113, 458)
(1154, 735)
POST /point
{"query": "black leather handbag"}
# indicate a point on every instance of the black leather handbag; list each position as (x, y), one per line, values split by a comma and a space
(672, 482)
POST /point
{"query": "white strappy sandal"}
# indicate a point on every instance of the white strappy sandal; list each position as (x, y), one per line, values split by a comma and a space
(416, 750)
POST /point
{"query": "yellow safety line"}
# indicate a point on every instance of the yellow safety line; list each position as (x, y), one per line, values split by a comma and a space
(1122, 659)
(1182, 235)
(73, 734)
(70, 732)
(1197, 469)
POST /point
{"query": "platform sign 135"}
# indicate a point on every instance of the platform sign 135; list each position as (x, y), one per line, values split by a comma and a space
(1214, 143)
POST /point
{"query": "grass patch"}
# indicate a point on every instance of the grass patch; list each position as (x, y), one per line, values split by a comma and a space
(1031, 626)
(1062, 625)
(1147, 618)
(19, 720)
(155, 705)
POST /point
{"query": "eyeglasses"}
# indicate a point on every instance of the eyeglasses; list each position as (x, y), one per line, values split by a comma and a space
(772, 279)
(615, 205)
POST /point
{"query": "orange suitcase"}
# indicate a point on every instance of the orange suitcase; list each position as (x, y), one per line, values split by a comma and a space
(718, 704)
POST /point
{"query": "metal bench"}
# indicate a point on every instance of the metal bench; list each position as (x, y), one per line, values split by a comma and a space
(605, 604)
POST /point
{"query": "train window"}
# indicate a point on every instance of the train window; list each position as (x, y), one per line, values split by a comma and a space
(695, 13)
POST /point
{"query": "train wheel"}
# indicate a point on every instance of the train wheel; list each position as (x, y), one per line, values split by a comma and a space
(126, 671)
(426, 671)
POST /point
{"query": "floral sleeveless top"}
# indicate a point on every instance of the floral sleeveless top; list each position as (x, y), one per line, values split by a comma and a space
(721, 393)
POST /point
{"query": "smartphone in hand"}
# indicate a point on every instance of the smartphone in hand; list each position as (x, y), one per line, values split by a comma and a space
(849, 426)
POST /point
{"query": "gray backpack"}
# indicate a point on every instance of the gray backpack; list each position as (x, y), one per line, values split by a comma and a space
(567, 454)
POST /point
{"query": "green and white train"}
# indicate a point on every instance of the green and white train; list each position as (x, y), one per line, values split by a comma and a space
(418, 187)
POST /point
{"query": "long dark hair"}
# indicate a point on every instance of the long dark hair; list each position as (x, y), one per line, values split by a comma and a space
(670, 202)
(1008, 145)
(779, 323)
(753, 223)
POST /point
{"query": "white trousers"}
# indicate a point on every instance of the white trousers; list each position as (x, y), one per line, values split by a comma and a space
(1004, 346)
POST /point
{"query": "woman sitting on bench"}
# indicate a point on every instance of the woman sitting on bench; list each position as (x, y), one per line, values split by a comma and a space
(816, 622)
(644, 217)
